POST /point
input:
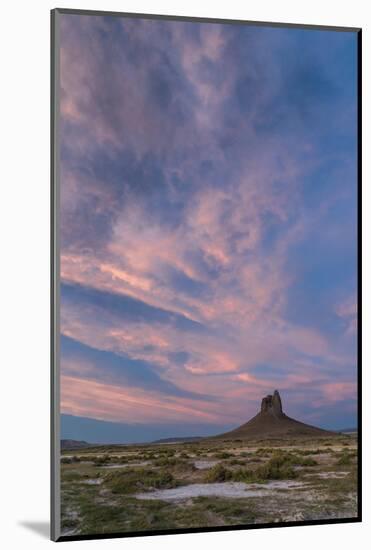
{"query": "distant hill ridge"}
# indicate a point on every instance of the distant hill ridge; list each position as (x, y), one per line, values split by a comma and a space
(74, 444)
(272, 422)
(178, 439)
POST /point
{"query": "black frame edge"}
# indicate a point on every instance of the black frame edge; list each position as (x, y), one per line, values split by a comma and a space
(54, 302)
(359, 266)
(195, 530)
(194, 19)
(52, 278)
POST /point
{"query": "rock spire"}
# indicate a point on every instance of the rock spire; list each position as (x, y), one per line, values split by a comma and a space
(272, 404)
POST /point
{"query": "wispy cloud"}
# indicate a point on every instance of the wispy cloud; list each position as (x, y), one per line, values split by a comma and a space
(207, 218)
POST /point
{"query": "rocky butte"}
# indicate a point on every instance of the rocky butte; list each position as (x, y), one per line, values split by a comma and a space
(272, 422)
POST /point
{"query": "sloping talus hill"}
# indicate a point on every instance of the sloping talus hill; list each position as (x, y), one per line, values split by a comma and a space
(272, 422)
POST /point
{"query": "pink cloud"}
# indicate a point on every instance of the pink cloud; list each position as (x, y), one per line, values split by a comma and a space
(347, 310)
(92, 399)
(336, 391)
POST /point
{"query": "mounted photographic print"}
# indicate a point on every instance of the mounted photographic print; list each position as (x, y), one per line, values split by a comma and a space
(205, 281)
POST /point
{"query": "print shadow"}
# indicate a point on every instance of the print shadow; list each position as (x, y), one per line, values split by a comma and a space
(42, 528)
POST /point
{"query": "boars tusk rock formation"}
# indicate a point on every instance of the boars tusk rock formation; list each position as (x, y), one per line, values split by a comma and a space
(272, 404)
(271, 422)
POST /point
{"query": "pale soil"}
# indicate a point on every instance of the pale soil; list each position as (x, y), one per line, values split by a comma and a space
(127, 465)
(205, 464)
(227, 489)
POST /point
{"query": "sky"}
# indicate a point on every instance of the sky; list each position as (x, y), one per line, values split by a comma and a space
(207, 226)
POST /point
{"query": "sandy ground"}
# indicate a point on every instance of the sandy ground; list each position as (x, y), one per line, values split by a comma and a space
(127, 465)
(205, 464)
(228, 489)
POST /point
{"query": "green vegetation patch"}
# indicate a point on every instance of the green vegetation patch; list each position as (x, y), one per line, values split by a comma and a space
(218, 474)
(236, 462)
(265, 451)
(346, 458)
(139, 479)
(223, 454)
(279, 466)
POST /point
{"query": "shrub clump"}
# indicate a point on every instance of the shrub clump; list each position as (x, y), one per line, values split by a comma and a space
(271, 471)
(132, 481)
(183, 454)
(174, 464)
(223, 454)
(165, 461)
(217, 474)
(236, 462)
(279, 466)
(291, 459)
(70, 459)
(345, 459)
(308, 462)
(264, 451)
(244, 475)
(102, 460)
